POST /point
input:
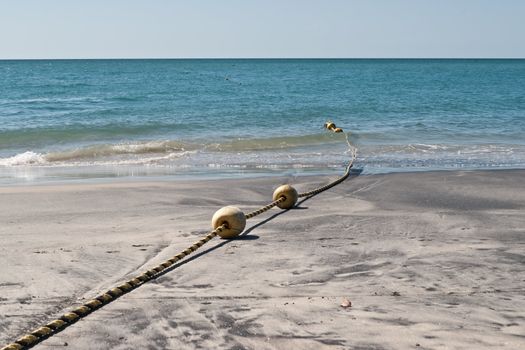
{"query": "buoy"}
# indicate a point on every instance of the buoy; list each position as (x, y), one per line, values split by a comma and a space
(290, 195)
(329, 125)
(233, 218)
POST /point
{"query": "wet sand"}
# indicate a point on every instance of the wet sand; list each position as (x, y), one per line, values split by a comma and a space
(429, 261)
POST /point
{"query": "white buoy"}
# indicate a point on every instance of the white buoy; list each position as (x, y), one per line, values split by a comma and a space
(290, 195)
(233, 218)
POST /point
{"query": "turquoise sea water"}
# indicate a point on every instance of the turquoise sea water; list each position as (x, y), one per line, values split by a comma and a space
(80, 119)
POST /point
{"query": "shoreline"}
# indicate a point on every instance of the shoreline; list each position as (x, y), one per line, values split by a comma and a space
(428, 258)
(188, 179)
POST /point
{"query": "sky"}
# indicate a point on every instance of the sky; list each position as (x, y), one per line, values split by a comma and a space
(33, 29)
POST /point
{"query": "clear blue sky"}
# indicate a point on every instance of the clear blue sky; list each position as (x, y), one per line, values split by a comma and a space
(261, 28)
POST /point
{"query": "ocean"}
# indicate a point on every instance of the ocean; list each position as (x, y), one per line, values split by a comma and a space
(81, 120)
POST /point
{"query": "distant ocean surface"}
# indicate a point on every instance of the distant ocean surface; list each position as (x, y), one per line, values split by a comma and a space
(90, 119)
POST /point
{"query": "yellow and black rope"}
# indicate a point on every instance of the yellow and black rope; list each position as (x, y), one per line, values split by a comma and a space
(31, 339)
(38, 335)
(265, 208)
(353, 152)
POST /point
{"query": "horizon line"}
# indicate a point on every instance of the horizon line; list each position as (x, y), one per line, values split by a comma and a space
(262, 58)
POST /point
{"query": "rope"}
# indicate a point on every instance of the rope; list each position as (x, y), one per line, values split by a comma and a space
(353, 152)
(40, 334)
(265, 208)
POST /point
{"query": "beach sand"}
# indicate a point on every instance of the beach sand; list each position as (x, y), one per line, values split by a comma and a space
(431, 260)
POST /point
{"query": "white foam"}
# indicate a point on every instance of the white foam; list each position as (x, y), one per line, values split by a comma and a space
(26, 158)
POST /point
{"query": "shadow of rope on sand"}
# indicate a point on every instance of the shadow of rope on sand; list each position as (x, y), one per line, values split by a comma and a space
(246, 234)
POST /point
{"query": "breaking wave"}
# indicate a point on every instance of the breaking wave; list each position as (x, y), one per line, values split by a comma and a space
(151, 151)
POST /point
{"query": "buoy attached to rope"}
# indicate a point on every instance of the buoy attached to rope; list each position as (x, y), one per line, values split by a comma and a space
(290, 196)
(331, 126)
(232, 217)
(227, 222)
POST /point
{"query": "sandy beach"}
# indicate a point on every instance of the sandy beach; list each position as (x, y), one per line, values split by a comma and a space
(432, 260)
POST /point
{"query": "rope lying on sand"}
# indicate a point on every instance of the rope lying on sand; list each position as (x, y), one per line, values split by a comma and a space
(67, 319)
(228, 222)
